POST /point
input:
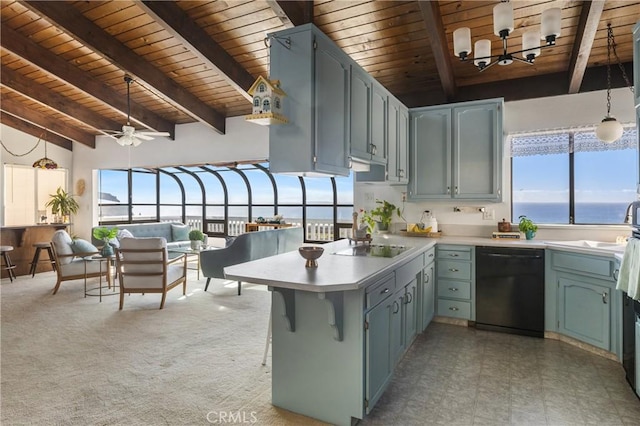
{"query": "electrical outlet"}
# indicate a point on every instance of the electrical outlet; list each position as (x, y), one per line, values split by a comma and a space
(489, 214)
(404, 197)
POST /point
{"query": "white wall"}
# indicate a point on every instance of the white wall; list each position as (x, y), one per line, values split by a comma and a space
(585, 109)
(19, 143)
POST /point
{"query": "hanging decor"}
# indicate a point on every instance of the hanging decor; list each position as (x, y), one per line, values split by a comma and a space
(45, 162)
(610, 129)
(267, 102)
(550, 26)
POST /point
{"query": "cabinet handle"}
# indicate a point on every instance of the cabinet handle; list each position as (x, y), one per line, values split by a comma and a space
(453, 269)
(453, 254)
(453, 308)
(456, 189)
(615, 274)
(426, 279)
(386, 290)
(409, 299)
(396, 306)
(350, 162)
(430, 254)
(453, 289)
(401, 172)
(374, 149)
(448, 190)
(604, 297)
(499, 192)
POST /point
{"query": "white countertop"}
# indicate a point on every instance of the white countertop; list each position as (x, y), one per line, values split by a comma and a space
(340, 273)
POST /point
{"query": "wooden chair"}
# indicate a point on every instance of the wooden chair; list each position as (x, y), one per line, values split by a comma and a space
(144, 267)
(70, 265)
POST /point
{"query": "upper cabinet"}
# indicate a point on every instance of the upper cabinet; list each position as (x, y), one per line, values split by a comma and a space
(379, 102)
(636, 63)
(456, 151)
(397, 142)
(368, 116)
(314, 73)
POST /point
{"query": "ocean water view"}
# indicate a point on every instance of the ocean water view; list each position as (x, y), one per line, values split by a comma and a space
(585, 213)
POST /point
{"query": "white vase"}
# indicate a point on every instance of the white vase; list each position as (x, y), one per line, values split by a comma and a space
(196, 244)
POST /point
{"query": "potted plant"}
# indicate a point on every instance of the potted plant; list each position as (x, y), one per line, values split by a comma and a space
(105, 234)
(62, 204)
(527, 226)
(197, 237)
(382, 215)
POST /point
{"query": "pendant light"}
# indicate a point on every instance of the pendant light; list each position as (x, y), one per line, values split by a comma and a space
(610, 129)
(45, 162)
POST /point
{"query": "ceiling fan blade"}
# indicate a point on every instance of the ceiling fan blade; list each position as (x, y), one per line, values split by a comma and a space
(142, 136)
(154, 133)
(136, 141)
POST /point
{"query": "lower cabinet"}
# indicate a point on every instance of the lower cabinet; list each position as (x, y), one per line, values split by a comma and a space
(455, 287)
(585, 311)
(378, 339)
(428, 296)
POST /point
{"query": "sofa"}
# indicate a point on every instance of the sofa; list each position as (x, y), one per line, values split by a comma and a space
(247, 247)
(176, 233)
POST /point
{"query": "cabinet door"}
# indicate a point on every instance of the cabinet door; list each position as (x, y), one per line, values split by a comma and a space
(379, 362)
(410, 312)
(331, 109)
(636, 63)
(430, 168)
(360, 113)
(477, 147)
(397, 328)
(393, 152)
(403, 145)
(379, 100)
(428, 296)
(585, 311)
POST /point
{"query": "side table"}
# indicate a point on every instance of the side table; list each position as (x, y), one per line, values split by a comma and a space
(106, 263)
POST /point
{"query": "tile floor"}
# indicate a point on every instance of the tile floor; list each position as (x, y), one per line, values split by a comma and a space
(458, 375)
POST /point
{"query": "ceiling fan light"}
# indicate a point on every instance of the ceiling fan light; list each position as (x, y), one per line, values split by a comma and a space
(531, 44)
(483, 51)
(551, 25)
(503, 19)
(609, 130)
(462, 42)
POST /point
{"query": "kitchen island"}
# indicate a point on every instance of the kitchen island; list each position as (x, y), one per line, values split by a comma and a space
(22, 238)
(339, 329)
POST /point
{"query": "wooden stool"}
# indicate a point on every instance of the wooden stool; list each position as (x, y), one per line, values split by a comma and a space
(4, 251)
(36, 257)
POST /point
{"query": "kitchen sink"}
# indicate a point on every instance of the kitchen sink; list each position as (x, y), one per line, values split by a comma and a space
(589, 244)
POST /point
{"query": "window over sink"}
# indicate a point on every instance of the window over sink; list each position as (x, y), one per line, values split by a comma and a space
(571, 177)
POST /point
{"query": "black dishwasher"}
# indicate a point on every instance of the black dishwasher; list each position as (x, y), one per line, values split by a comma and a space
(510, 290)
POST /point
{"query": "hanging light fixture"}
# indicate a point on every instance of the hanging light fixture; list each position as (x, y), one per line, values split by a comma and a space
(502, 27)
(45, 162)
(610, 129)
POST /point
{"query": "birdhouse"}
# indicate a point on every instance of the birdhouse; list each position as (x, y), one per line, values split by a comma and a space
(267, 102)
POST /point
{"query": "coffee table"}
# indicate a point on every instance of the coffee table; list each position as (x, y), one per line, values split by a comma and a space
(191, 254)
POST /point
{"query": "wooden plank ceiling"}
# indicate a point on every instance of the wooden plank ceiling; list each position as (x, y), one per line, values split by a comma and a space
(63, 63)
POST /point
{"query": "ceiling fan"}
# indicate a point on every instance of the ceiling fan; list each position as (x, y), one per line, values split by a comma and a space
(129, 135)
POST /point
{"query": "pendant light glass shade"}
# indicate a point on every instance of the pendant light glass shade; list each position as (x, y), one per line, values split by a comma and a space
(483, 50)
(45, 162)
(462, 42)
(551, 25)
(531, 41)
(502, 18)
(609, 130)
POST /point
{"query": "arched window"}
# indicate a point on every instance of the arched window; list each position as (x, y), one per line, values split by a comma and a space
(266, 105)
(256, 101)
(262, 88)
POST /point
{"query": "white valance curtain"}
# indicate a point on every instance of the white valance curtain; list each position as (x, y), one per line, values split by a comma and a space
(546, 143)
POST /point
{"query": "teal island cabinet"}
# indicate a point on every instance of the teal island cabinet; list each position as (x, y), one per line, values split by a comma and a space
(339, 330)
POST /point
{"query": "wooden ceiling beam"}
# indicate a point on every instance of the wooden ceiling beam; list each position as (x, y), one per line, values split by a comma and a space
(70, 20)
(39, 93)
(585, 33)
(17, 109)
(33, 130)
(63, 70)
(292, 13)
(433, 21)
(177, 23)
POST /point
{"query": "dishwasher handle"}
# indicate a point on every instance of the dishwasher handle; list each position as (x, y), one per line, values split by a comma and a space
(511, 256)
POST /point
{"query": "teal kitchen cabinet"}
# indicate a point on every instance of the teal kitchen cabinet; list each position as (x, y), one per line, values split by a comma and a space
(360, 114)
(636, 63)
(314, 73)
(406, 306)
(397, 326)
(457, 151)
(455, 286)
(379, 362)
(428, 289)
(411, 304)
(581, 299)
(398, 143)
(379, 102)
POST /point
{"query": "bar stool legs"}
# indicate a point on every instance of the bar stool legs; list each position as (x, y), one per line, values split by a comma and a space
(4, 250)
(36, 257)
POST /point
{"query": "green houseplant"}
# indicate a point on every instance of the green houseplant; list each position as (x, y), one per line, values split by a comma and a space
(527, 226)
(197, 237)
(105, 234)
(382, 215)
(62, 204)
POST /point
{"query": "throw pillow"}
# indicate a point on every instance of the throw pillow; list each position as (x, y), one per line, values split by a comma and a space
(179, 232)
(124, 233)
(83, 246)
(62, 241)
(228, 241)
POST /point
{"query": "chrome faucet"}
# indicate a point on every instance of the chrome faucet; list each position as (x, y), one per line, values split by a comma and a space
(628, 216)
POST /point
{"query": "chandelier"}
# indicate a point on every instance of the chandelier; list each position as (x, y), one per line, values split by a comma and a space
(610, 129)
(503, 27)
